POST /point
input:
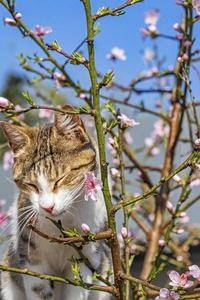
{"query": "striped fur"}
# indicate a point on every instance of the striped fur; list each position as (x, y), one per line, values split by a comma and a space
(49, 169)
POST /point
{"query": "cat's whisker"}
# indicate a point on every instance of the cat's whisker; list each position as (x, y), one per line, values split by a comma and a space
(34, 218)
(11, 221)
(23, 223)
(9, 179)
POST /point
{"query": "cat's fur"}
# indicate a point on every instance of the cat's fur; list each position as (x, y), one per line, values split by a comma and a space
(49, 169)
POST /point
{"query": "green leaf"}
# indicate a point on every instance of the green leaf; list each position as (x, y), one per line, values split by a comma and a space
(107, 79)
(109, 273)
(103, 10)
(110, 107)
(75, 269)
(114, 124)
(28, 98)
(155, 272)
(131, 260)
(56, 223)
(69, 232)
(119, 13)
(136, 1)
(91, 237)
(22, 58)
(82, 110)
(97, 30)
(141, 291)
(56, 45)
(79, 58)
(95, 276)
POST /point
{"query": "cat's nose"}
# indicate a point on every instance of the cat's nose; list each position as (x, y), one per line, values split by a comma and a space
(49, 209)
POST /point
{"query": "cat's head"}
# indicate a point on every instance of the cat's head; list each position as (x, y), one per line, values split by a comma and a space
(51, 161)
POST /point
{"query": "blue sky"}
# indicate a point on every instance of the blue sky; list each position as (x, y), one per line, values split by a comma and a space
(67, 20)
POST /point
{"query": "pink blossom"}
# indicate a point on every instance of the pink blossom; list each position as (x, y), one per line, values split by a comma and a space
(185, 56)
(92, 185)
(128, 138)
(165, 294)
(41, 31)
(111, 142)
(184, 220)
(116, 53)
(152, 71)
(85, 227)
(20, 117)
(180, 231)
(179, 2)
(10, 21)
(194, 271)
(82, 95)
(197, 167)
(148, 55)
(151, 17)
(177, 179)
(6, 103)
(3, 219)
(115, 172)
(169, 205)
(177, 27)
(46, 113)
(145, 32)
(180, 37)
(195, 182)
(178, 280)
(56, 77)
(8, 160)
(161, 243)
(187, 43)
(18, 16)
(127, 121)
(182, 214)
(152, 28)
(197, 142)
(89, 121)
(179, 59)
(196, 5)
(124, 232)
(116, 161)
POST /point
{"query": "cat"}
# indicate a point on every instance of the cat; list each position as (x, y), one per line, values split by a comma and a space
(49, 169)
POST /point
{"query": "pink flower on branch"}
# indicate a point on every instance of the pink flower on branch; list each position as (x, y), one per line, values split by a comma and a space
(41, 31)
(10, 21)
(180, 281)
(151, 17)
(5, 103)
(195, 271)
(127, 121)
(165, 294)
(124, 232)
(196, 5)
(8, 160)
(92, 185)
(116, 53)
(85, 227)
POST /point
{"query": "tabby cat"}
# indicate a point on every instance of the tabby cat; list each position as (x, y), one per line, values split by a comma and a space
(49, 169)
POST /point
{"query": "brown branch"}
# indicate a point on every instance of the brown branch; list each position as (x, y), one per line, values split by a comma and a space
(69, 240)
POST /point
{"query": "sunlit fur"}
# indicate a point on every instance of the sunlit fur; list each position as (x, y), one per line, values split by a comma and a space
(49, 169)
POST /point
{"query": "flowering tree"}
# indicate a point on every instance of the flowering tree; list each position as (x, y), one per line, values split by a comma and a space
(152, 209)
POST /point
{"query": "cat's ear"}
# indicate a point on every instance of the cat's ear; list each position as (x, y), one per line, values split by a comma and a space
(16, 135)
(67, 122)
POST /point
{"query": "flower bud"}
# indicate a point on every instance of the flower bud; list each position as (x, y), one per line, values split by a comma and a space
(124, 232)
(85, 227)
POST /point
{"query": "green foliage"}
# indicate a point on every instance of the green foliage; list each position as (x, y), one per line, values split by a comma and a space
(155, 272)
(103, 10)
(96, 29)
(107, 79)
(72, 233)
(110, 107)
(95, 276)
(56, 45)
(79, 59)
(28, 98)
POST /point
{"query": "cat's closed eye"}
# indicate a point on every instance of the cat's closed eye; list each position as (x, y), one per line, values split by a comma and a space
(33, 186)
(58, 181)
